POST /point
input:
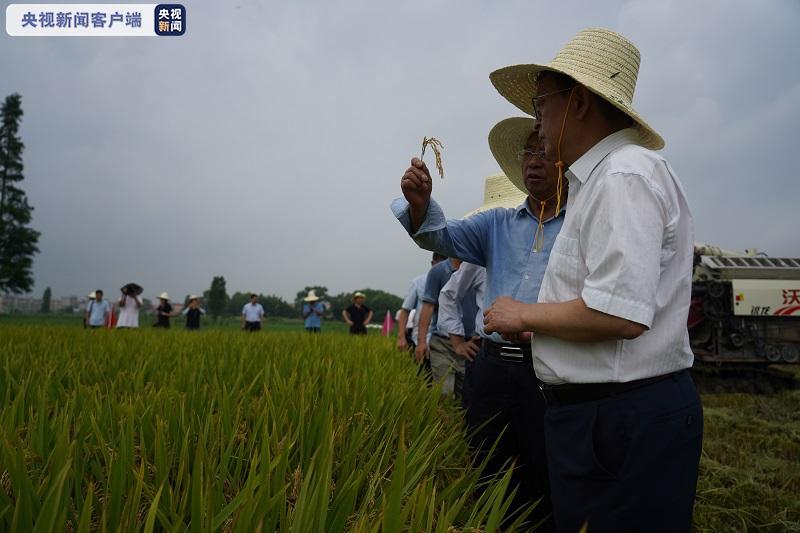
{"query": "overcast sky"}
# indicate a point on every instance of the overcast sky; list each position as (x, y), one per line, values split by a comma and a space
(266, 144)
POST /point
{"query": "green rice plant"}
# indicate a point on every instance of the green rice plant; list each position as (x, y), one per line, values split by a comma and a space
(220, 431)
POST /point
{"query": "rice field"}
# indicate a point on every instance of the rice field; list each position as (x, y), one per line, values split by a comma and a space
(207, 431)
(218, 430)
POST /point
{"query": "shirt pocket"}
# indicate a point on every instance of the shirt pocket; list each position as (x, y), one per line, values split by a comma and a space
(564, 264)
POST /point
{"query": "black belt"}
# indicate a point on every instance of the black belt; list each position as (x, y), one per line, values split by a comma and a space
(509, 353)
(588, 392)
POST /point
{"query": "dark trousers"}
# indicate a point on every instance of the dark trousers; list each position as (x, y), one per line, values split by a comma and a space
(628, 462)
(358, 329)
(504, 402)
(252, 326)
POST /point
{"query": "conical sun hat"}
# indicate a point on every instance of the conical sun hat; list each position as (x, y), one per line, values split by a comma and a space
(498, 191)
(312, 296)
(163, 296)
(604, 61)
(506, 139)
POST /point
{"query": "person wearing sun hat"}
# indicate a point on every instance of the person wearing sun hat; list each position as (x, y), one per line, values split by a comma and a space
(163, 312)
(312, 312)
(358, 315)
(514, 245)
(193, 312)
(624, 422)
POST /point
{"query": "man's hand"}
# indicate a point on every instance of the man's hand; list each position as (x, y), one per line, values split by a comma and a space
(504, 317)
(422, 351)
(523, 337)
(466, 349)
(417, 185)
(402, 343)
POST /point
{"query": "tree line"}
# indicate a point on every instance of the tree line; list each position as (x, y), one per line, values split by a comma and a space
(219, 303)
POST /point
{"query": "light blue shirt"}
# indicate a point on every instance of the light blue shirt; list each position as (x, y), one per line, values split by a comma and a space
(413, 300)
(499, 239)
(313, 320)
(97, 312)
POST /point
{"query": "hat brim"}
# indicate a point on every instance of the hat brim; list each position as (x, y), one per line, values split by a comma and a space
(307, 299)
(506, 138)
(501, 193)
(517, 84)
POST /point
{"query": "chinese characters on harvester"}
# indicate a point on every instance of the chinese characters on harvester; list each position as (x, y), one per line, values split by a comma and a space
(81, 19)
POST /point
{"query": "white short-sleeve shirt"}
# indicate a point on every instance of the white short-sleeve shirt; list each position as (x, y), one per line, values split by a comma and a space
(626, 248)
(252, 313)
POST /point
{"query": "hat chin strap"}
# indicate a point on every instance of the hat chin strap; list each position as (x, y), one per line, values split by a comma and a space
(538, 240)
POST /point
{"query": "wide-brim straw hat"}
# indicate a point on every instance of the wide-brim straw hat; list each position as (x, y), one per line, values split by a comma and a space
(163, 296)
(506, 139)
(312, 296)
(359, 295)
(93, 295)
(499, 191)
(604, 61)
(193, 297)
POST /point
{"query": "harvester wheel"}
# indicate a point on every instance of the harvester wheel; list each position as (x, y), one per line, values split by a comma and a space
(772, 353)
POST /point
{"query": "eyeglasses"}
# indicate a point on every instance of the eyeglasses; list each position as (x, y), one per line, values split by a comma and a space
(527, 153)
(536, 99)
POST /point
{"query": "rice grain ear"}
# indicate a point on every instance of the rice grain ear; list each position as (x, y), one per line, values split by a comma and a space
(436, 146)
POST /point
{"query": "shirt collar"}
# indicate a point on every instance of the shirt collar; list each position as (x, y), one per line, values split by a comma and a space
(585, 164)
(525, 207)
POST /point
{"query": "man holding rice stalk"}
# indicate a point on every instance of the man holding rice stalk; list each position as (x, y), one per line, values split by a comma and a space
(514, 246)
(624, 422)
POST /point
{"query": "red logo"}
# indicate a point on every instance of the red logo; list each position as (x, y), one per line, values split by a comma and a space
(791, 296)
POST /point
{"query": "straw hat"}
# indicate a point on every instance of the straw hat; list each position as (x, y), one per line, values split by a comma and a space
(359, 295)
(92, 295)
(508, 137)
(499, 191)
(604, 61)
(193, 297)
(312, 296)
(163, 296)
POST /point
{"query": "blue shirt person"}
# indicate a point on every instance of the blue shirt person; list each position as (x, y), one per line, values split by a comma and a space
(514, 244)
(97, 311)
(312, 312)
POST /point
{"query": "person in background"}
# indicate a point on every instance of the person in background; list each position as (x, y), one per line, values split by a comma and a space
(98, 310)
(193, 312)
(163, 312)
(312, 312)
(460, 310)
(408, 317)
(129, 305)
(358, 315)
(252, 314)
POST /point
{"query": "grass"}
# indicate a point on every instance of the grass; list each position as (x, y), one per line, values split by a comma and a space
(212, 430)
(217, 430)
(750, 468)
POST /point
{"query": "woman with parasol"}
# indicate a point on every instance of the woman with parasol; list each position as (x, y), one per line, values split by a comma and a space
(129, 304)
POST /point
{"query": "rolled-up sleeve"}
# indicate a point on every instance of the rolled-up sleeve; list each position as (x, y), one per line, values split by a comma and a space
(463, 239)
(621, 243)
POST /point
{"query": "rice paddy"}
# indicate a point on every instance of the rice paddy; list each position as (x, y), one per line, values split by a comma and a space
(282, 431)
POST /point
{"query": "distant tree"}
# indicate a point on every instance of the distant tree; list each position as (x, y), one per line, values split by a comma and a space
(17, 240)
(46, 297)
(217, 297)
(277, 306)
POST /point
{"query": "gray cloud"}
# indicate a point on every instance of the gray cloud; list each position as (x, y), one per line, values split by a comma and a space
(266, 144)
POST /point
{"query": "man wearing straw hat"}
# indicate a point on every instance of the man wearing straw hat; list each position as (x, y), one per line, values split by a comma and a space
(624, 422)
(514, 246)
(358, 315)
(163, 312)
(312, 312)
